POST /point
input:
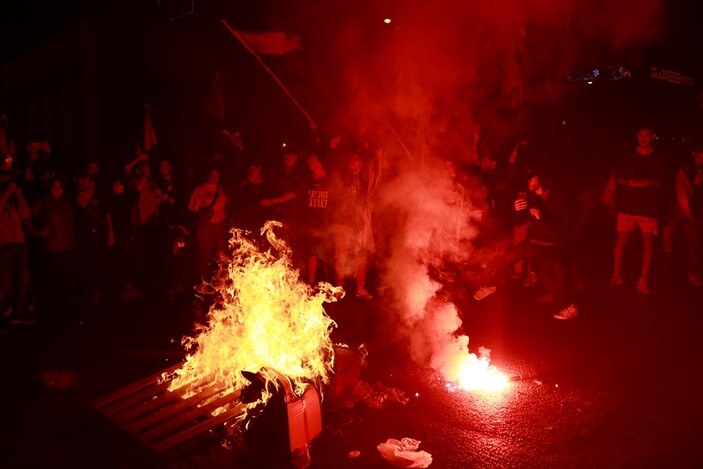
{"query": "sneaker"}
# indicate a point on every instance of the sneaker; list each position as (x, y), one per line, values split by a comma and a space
(569, 312)
(615, 281)
(643, 287)
(484, 292)
(530, 280)
(695, 280)
(363, 293)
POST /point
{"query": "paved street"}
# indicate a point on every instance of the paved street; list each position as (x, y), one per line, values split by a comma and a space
(618, 386)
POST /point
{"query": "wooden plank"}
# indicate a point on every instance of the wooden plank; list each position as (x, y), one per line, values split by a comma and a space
(195, 430)
(195, 413)
(161, 418)
(126, 415)
(131, 388)
(158, 418)
(140, 411)
(134, 399)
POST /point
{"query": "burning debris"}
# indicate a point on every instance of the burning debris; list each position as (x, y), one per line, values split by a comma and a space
(266, 323)
(266, 345)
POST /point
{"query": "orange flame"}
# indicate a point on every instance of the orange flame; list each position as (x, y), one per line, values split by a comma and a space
(267, 322)
(477, 374)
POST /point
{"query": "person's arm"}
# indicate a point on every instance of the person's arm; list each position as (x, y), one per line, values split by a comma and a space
(607, 197)
(130, 166)
(683, 192)
(514, 153)
(638, 182)
(267, 202)
(194, 202)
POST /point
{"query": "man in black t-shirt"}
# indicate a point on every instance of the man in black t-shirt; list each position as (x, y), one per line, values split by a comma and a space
(638, 183)
(316, 216)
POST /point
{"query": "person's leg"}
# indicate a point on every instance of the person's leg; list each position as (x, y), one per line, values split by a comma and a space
(312, 269)
(361, 263)
(647, 254)
(625, 225)
(342, 241)
(649, 229)
(552, 274)
(519, 235)
(621, 240)
(668, 233)
(523, 251)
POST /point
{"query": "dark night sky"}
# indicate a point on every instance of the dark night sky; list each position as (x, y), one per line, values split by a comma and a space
(29, 22)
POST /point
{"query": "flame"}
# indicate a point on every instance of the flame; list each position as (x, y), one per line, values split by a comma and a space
(267, 322)
(477, 374)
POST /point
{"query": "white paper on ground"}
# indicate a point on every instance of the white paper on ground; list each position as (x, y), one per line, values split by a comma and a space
(404, 453)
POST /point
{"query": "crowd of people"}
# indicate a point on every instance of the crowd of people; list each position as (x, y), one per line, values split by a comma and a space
(554, 235)
(72, 240)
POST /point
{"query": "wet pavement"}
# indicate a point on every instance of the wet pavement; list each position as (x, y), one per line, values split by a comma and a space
(618, 386)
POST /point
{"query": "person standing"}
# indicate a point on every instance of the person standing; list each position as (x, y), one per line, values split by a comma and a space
(689, 212)
(54, 219)
(638, 184)
(352, 229)
(207, 204)
(316, 218)
(545, 211)
(14, 273)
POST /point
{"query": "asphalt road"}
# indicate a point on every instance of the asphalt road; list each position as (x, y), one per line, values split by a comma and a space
(618, 386)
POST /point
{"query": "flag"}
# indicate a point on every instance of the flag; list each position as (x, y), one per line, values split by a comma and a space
(270, 43)
(149, 134)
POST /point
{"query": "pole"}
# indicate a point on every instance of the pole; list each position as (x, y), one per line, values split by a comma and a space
(273, 75)
(399, 140)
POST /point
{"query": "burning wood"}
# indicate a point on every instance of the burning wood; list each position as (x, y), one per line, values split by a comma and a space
(267, 322)
(267, 326)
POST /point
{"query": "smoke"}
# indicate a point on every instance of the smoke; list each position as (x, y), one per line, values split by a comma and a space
(418, 86)
(438, 67)
(428, 226)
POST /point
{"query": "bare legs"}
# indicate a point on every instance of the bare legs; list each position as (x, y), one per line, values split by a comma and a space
(619, 252)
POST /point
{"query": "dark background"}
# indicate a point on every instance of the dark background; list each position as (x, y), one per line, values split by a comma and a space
(79, 73)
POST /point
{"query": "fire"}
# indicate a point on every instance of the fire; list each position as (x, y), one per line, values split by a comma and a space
(477, 374)
(267, 322)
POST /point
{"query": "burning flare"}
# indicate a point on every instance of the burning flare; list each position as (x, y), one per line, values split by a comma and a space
(476, 373)
(267, 322)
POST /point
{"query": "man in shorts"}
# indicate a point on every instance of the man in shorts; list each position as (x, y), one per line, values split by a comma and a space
(638, 182)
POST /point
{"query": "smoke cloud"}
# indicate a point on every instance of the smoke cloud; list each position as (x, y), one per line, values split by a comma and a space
(419, 86)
